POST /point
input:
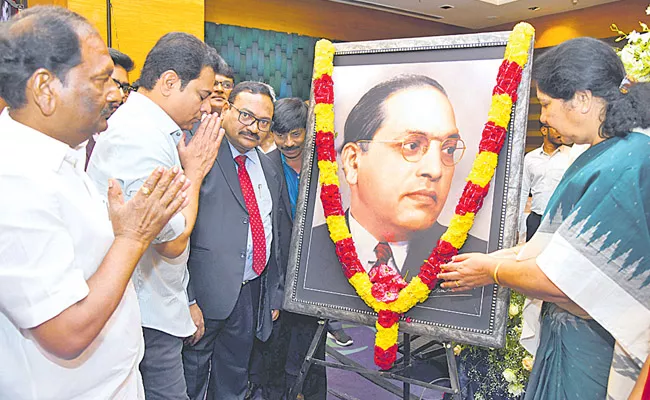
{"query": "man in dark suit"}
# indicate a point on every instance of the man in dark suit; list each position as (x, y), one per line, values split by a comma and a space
(400, 149)
(235, 261)
(276, 363)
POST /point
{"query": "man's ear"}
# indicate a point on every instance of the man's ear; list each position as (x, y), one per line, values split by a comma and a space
(168, 81)
(42, 88)
(350, 160)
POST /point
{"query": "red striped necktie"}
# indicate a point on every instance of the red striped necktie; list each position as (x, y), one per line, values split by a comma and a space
(257, 227)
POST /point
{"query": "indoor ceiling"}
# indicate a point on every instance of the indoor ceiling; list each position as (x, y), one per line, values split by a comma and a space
(476, 14)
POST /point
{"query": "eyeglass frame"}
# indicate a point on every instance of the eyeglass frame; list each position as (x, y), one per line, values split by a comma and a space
(220, 83)
(124, 88)
(428, 147)
(255, 119)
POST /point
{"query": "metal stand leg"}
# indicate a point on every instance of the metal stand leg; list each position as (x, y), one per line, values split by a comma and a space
(309, 360)
(407, 366)
(399, 372)
(453, 371)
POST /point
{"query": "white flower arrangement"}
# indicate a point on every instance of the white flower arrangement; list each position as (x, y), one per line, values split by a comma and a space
(635, 55)
(499, 372)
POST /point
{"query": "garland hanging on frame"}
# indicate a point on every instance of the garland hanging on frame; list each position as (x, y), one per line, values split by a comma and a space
(391, 296)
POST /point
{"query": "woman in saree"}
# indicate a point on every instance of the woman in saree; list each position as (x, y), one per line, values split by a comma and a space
(586, 272)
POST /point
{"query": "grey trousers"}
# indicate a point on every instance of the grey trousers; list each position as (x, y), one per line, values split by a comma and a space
(219, 361)
(162, 366)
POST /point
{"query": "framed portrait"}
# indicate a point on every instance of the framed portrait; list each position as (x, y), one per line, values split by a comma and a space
(409, 115)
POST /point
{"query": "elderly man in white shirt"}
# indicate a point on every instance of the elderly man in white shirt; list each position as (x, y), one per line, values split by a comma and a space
(543, 170)
(69, 319)
(175, 85)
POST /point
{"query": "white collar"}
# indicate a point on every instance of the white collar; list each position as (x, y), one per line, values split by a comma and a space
(365, 244)
(43, 149)
(561, 149)
(159, 117)
(250, 154)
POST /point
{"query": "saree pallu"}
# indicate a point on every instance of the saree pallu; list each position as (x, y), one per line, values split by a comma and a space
(594, 245)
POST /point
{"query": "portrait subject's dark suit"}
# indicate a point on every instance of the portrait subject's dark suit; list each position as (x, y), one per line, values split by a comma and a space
(325, 270)
(216, 265)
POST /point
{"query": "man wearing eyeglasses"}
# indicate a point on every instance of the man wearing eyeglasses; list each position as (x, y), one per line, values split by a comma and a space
(120, 76)
(235, 258)
(399, 154)
(224, 82)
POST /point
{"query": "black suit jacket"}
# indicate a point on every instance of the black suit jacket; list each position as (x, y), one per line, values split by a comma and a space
(286, 221)
(324, 271)
(218, 244)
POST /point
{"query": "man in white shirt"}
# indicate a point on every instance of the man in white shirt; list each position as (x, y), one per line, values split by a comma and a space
(543, 170)
(174, 88)
(123, 65)
(69, 319)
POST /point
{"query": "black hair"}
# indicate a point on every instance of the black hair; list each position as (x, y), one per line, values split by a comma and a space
(121, 59)
(590, 64)
(251, 87)
(290, 113)
(180, 52)
(39, 37)
(368, 114)
(222, 66)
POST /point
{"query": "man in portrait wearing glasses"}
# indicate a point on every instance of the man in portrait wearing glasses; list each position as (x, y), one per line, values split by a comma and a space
(399, 154)
(235, 264)
(176, 80)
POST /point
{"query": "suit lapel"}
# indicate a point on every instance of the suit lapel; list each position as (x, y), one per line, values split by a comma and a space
(276, 156)
(227, 165)
(272, 178)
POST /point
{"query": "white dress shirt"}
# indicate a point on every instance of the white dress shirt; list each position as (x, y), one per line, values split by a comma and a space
(54, 233)
(542, 174)
(366, 243)
(264, 203)
(270, 149)
(140, 138)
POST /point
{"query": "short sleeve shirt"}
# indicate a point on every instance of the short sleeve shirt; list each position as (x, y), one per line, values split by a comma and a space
(54, 234)
(140, 137)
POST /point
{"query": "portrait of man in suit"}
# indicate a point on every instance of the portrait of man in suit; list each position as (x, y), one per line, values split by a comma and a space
(399, 154)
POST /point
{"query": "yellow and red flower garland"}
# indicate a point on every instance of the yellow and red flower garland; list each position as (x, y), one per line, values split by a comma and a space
(504, 96)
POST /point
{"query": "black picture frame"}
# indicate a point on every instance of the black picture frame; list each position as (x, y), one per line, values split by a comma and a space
(479, 319)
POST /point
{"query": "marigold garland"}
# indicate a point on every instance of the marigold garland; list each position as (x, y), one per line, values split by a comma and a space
(504, 96)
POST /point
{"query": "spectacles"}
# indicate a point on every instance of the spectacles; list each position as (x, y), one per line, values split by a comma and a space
(226, 85)
(125, 88)
(248, 119)
(414, 147)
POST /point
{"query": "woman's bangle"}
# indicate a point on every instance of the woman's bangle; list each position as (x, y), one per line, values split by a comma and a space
(495, 273)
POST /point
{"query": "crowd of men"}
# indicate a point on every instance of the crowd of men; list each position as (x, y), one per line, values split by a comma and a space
(146, 249)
